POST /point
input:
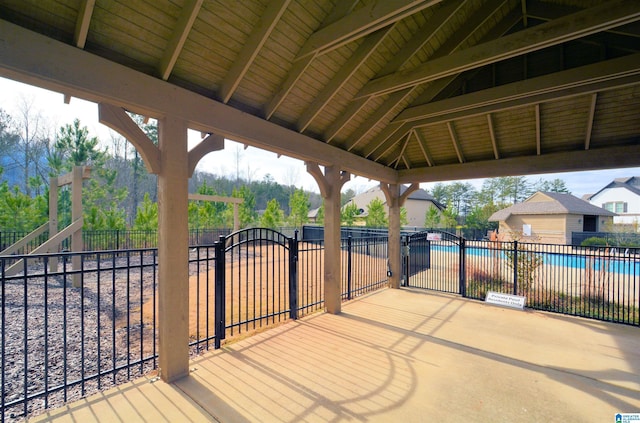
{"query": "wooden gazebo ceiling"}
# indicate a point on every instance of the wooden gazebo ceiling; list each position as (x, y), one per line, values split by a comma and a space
(396, 90)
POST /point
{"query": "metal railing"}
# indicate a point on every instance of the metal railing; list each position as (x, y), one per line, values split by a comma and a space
(598, 283)
(67, 333)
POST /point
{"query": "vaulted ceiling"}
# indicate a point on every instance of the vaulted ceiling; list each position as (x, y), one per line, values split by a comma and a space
(396, 90)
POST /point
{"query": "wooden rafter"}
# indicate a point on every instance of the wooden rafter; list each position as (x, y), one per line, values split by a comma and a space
(360, 23)
(92, 78)
(394, 99)
(82, 23)
(437, 21)
(592, 112)
(577, 81)
(590, 21)
(252, 47)
(180, 33)
(347, 70)
(455, 141)
(492, 135)
(422, 143)
(613, 157)
(342, 9)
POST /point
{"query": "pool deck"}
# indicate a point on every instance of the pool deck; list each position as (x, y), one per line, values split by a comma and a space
(397, 356)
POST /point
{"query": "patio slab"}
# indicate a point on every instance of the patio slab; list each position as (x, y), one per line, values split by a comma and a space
(400, 355)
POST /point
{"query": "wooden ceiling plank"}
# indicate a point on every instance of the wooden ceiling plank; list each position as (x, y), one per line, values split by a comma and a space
(422, 143)
(180, 33)
(592, 113)
(538, 135)
(449, 46)
(590, 21)
(576, 81)
(347, 70)
(64, 68)
(390, 135)
(83, 22)
(492, 135)
(360, 23)
(251, 47)
(439, 18)
(342, 9)
(593, 159)
(455, 141)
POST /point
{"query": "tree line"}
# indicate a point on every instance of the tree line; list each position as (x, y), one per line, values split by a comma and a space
(121, 194)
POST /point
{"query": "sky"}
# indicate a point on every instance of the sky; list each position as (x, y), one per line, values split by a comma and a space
(249, 162)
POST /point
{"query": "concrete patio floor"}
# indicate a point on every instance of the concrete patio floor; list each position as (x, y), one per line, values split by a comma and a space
(397, 356)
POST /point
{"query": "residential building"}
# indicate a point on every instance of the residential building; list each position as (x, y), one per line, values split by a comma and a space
(622, 197)
(550, 218)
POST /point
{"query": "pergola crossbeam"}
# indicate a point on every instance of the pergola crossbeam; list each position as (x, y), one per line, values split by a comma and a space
(187, 17)
(581, 24)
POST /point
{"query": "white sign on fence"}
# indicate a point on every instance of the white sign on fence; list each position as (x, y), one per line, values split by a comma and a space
(434, 237)
(505, 300)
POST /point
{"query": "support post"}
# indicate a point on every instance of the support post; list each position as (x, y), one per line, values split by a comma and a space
(330, 184)
(395, 199)
(173, 240)
(76, 213)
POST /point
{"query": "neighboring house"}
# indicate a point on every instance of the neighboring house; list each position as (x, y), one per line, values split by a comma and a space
(621, 196)
(550, 218)
(313, 215)
(416, 204)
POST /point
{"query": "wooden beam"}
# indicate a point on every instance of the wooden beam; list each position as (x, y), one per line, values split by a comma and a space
(392, 101)
(492, 135)
(592, 112)
(456, 143)
(25, 240)
(422, 142)
(187, 17)
(67, 178)
(215, 198)
(342, 9)
(577, 81)
(347, 70)
(211, 143)
(59, 67)
(82, 23)
(251, 47)
(592, 159)
(360, 23)
(590, 21)
(115, 118)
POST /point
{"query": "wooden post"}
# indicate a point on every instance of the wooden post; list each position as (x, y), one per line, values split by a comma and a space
(236, 217)
(173, 243)
(395, 200)
(330, 185)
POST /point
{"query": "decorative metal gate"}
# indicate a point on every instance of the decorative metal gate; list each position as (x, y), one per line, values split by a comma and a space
(434, 260)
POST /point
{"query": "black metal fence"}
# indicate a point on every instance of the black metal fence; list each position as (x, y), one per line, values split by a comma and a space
(67, 333)
(619, 239)
(598, 283)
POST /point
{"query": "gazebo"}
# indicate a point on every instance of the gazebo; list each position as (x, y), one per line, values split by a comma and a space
(399, 91)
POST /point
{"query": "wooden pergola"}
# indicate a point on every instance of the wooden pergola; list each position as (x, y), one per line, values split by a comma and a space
(400, 91)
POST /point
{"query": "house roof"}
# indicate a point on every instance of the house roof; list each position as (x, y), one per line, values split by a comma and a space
(555, 204)
(631, 183)
(418, 195)
(398, 91)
